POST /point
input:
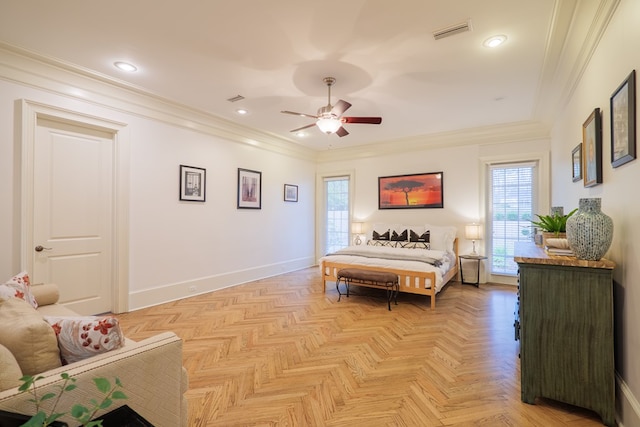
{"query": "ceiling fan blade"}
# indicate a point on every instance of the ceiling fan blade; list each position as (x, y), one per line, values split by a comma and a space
(340, 107)
(366, 120)
(342, 132)
(300, 114)
(303, 127)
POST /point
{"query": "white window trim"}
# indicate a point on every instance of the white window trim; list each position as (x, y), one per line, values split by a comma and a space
(543, 197)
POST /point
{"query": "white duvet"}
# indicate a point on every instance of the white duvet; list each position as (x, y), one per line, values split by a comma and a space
(396, 258)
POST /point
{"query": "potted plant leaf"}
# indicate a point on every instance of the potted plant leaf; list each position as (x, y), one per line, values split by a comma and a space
(81, 413)
(553, 226)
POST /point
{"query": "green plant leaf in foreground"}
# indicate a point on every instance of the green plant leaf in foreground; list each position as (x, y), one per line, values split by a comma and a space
(80, 413)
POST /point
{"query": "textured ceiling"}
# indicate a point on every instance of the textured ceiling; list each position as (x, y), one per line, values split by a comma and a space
(276, 53)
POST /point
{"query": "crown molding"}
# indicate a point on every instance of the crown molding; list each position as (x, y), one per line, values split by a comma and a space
(54, 76)
(496, 134)
(573, 36)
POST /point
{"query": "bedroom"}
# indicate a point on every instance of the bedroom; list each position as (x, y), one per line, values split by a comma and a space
(172, 253)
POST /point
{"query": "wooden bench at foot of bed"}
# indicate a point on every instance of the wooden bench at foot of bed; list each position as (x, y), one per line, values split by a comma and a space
(412, 282)
(371, 279)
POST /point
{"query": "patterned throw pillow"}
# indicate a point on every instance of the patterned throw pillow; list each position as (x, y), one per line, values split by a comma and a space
(401, 237)
(385, 243)
(83, 337)
(380, 236)
(19, 286)
(416, 245)
(415, 237)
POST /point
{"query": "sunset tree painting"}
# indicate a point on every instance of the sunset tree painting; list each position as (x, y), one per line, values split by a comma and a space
(411, 191)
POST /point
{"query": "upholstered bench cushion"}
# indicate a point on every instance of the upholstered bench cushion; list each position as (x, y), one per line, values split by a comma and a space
(367, 275)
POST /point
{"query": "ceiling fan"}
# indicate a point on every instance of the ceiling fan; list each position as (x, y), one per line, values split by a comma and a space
(329, 118)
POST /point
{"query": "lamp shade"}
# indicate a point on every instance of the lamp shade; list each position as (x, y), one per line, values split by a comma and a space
(328, 124)
(356, 228)
(472, 232)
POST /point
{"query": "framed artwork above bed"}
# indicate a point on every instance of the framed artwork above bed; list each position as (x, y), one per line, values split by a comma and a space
(416, 191)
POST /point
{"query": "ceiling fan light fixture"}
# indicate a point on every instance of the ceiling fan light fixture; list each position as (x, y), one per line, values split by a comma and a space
(328, 124)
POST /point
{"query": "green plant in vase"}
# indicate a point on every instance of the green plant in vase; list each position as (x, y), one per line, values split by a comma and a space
(555, 223)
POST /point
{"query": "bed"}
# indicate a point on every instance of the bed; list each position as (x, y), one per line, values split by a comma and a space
(425, 258)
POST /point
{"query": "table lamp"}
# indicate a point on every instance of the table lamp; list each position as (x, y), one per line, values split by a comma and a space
(472, 232)
(356, 228)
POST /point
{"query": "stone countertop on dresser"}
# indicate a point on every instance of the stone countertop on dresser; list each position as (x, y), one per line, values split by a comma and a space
(529, 253)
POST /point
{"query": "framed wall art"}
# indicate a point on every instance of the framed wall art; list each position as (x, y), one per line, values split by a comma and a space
(592, 149)
(623, 122)
(423, 190)
(290, 193)
(193, 182)
(576, 163)
(249, 189)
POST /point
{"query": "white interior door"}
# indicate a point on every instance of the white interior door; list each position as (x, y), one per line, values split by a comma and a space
(73, 213)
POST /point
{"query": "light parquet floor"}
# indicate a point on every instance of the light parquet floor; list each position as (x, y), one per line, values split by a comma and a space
(281, 352)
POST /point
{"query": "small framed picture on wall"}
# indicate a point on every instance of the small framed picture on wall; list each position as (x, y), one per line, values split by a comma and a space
(623, 122)
(249, 189)
(592, 149)
(290, 193)
(576, 163)
(193, 182)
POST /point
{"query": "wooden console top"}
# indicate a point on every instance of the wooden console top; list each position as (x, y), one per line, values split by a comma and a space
(529, 253)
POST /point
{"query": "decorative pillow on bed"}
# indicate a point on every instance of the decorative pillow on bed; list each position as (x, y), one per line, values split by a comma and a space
(422, 237)
(416, 245)
(19, 286)
(400, 237)
(381, 235)
(387, 243)
(441, 237)
(83, 337)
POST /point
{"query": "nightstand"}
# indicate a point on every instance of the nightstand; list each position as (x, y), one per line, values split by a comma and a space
(477, 258)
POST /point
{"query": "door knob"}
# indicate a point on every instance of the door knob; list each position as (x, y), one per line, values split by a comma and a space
(41, 248)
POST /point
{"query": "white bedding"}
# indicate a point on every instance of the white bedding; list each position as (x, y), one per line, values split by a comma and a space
(377, 256)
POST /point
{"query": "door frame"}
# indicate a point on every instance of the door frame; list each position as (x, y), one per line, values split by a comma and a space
(30, 112)
(542, 198)
(321, 213)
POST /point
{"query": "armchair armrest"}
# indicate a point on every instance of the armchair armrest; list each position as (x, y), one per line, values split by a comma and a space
(150, 370)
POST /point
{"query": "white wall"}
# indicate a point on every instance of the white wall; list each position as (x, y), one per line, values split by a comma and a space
(214, 244)
(462, 173)
(174, 245)
(618, 53)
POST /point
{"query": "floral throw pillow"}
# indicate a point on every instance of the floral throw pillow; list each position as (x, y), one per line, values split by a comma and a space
(19, 286)
(83, 337)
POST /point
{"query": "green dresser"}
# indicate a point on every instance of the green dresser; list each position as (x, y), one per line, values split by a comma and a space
(565, 321)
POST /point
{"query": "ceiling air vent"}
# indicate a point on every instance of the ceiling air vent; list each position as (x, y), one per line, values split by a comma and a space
(452, 30)
(236, 98)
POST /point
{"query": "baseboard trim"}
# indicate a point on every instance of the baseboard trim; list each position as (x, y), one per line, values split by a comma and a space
(175, 291)
(627, 405)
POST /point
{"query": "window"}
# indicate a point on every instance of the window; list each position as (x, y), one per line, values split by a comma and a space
(512, 191)
(336, 190)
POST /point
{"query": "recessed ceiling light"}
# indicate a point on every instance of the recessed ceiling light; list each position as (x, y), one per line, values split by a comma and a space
(301, 134)
(494, 41)
(125, 66)
(241, 111)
